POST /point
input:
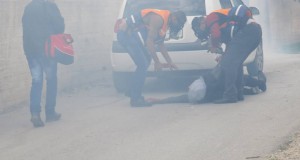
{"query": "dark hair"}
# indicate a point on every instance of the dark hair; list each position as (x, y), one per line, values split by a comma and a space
(180, 16)
(200, 34)
(181, 19)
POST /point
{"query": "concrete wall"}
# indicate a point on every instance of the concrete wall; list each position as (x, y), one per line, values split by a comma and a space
(91, 24)
(280, 20)
(284, 21)
(14, 80)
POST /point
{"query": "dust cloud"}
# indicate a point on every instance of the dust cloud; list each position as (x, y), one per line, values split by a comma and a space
(280, 21)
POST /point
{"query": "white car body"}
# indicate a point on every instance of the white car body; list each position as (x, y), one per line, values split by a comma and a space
(185, 58)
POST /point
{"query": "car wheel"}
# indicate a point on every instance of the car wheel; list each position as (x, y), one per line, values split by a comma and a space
(258, 63)
(121, 81)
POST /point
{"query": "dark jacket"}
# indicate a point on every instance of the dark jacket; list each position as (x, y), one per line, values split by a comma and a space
(40, 20)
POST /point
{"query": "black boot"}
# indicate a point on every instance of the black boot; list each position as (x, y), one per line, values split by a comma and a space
(240, 95)
(36, 120)
(52, 116)
(262, 81)
(229, 96)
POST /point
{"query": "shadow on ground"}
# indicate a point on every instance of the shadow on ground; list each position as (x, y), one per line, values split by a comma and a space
(167, 85)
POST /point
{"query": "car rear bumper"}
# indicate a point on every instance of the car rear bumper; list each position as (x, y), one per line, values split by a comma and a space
(188, 57)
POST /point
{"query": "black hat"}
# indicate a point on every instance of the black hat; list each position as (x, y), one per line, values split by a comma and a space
(181, 19)
(200, 34)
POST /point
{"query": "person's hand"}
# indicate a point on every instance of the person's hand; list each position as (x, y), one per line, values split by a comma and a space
(123, 25)
(215, 50)
(120, 25)
(218, 58)
(158, 66)
(172, 66)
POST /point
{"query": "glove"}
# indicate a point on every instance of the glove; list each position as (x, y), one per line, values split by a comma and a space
(217, 50)
(158, 66)
(218, 58)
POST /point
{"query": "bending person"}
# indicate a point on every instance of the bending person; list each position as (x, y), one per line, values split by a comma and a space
(140, 34)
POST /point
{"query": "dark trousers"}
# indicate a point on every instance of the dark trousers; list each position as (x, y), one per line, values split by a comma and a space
(140, 57)
(213, 90)
(38, 65)
(237, 50)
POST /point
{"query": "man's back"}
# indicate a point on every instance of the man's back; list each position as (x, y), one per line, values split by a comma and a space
(40, 20)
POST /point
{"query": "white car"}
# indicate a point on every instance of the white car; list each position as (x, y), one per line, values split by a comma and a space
(188, 53)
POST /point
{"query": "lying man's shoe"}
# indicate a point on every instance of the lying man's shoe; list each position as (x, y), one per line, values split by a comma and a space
(50, 117)
(140, 103)
(225, 100)
(261, 76)
(262, 86)
(36, 120)
(262, 81)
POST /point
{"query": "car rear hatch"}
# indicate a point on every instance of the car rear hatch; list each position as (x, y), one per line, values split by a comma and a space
(192, 8)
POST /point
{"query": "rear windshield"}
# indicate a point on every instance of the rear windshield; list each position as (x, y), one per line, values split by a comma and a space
(190, 7)
(228, 4)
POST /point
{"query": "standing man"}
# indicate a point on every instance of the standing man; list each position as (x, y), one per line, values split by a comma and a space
(140, 35)
(41, 19)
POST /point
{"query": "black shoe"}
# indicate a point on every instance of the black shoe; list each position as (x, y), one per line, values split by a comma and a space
(261, 76)
(140, 103)
(225, 100)
(262, 87)
(262, 81)
(50, 117)
(36, 120)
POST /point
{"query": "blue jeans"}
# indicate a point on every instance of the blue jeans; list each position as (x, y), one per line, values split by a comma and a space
(140, 57)
(39, 64)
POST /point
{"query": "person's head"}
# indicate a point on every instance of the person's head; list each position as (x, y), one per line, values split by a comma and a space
(240, 14)
(199, 28)
(176, 21)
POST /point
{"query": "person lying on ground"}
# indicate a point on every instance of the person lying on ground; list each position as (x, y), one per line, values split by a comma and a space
(209, 88)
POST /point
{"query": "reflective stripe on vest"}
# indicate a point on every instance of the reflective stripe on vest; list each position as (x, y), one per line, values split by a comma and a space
(165, 16)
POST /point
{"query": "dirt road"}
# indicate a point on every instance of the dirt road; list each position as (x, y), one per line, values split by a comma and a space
(98, 124)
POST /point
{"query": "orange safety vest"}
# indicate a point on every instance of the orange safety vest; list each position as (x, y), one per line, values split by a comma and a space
(165, 16)
(223, 11)
(222, 17)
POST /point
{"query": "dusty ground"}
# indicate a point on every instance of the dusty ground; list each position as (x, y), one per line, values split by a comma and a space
(98, 123)
(288, 151)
